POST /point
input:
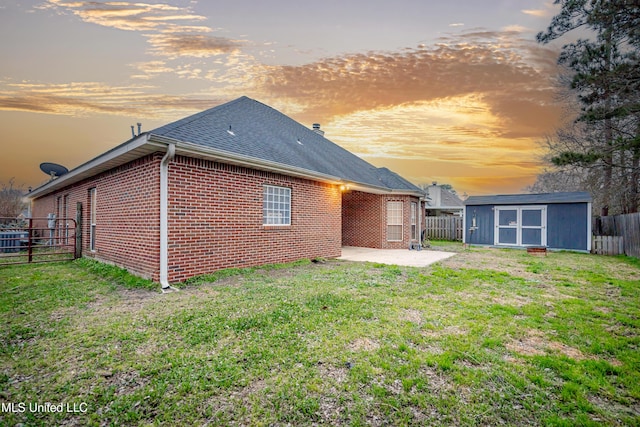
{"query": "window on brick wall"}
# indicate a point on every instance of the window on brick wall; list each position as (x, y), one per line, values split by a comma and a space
(394, 221)
(92, 219)
(276, 206)
(414, 221)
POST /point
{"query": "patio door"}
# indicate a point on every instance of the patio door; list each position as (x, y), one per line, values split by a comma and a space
(521, 225)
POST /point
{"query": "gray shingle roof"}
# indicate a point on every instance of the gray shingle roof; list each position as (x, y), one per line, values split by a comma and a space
(524, 199)
(449, 199)
(249, 128)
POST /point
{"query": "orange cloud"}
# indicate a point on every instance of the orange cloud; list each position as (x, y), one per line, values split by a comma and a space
(195, 45)
(171, 30)
(548, 11)
(86, 98)
(511, 75)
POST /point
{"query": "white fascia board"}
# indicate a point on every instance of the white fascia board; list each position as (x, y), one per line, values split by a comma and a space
(92, 167)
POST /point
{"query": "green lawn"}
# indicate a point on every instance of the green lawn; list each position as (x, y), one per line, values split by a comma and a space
(488, 337)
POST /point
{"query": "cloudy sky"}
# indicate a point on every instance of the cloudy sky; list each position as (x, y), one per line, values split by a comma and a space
(452, 91)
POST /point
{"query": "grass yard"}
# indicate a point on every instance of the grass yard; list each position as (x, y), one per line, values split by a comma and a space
(488, 337)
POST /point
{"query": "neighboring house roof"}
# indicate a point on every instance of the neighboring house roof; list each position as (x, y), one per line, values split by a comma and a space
(526, 199)
(448, 199)
(247, 132)
(443, 199)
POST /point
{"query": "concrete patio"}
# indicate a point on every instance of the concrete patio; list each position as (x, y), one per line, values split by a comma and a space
(404, 257)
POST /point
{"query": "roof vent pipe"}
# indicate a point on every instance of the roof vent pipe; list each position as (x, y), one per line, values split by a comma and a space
(316, 129)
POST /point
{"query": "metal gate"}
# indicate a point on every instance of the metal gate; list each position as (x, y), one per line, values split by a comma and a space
(36, 240)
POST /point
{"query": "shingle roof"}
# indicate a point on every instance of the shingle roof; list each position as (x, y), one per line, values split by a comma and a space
(447, 198)
(249, 128)
(518, 199)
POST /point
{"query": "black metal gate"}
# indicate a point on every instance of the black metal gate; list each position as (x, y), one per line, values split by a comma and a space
(36, 240)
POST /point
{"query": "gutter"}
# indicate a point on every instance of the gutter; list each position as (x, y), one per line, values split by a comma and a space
(164, 219)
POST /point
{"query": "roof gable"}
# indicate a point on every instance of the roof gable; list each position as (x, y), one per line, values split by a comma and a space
(249, 128)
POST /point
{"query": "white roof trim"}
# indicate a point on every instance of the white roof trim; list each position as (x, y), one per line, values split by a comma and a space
(148, 143)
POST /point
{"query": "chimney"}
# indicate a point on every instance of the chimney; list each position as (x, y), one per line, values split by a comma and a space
(316, 129)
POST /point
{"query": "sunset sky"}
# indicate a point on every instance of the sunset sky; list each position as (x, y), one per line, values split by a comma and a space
(451, 91)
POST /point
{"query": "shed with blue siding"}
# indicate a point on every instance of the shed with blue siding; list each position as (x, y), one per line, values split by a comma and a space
(552, 220)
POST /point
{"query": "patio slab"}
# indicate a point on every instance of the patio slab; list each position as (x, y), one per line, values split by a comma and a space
(404, 257)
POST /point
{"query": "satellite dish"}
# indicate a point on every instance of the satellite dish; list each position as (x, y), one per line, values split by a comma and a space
(54, 170)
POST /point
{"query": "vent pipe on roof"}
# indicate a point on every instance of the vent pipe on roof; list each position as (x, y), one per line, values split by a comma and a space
(133, 132)
(316, 129)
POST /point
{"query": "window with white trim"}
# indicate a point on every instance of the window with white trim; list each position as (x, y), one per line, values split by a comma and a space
(414, 221)
(394, 221)
(276, 206)
(92, 219)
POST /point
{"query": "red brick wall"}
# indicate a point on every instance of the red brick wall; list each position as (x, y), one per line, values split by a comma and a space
(406, 222)
(364, 220)
(128, 214)
(215, 219)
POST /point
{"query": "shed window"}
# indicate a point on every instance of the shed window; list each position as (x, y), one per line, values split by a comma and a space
(276, 206)
(394, 221)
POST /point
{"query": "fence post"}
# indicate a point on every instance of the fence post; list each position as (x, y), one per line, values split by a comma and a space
(78, 249)
(29, 245)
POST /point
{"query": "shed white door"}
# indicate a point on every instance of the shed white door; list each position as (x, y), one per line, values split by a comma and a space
(520, 225)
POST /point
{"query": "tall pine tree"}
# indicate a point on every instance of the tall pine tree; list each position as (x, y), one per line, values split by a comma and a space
(606, 80)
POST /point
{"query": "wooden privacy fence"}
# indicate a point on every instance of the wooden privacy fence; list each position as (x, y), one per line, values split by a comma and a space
(607, 245)
(444, 227)
(625, 226)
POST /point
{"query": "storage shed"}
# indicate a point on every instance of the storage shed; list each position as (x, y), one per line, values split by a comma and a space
(551, 220)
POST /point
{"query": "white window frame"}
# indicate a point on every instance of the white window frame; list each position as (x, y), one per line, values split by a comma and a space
(518, 225)
(414, 221)
(395, 218)
(93, 204)
(276, 206)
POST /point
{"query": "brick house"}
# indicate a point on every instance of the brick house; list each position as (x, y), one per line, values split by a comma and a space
(237, 185)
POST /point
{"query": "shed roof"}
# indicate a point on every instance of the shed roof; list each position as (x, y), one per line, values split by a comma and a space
(528, 199)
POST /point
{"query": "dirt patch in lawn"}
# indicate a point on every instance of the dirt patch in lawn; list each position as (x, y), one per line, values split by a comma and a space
(413, 316)
(364, 344)
(448, 330)
(535, 343)
(485, 258)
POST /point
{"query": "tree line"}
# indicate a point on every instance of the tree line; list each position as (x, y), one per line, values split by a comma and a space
(599, 151)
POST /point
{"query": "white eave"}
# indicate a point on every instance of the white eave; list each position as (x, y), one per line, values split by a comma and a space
(148, 143)
(123, 153)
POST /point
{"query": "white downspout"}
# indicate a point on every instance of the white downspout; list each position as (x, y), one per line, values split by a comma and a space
(164, 218)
